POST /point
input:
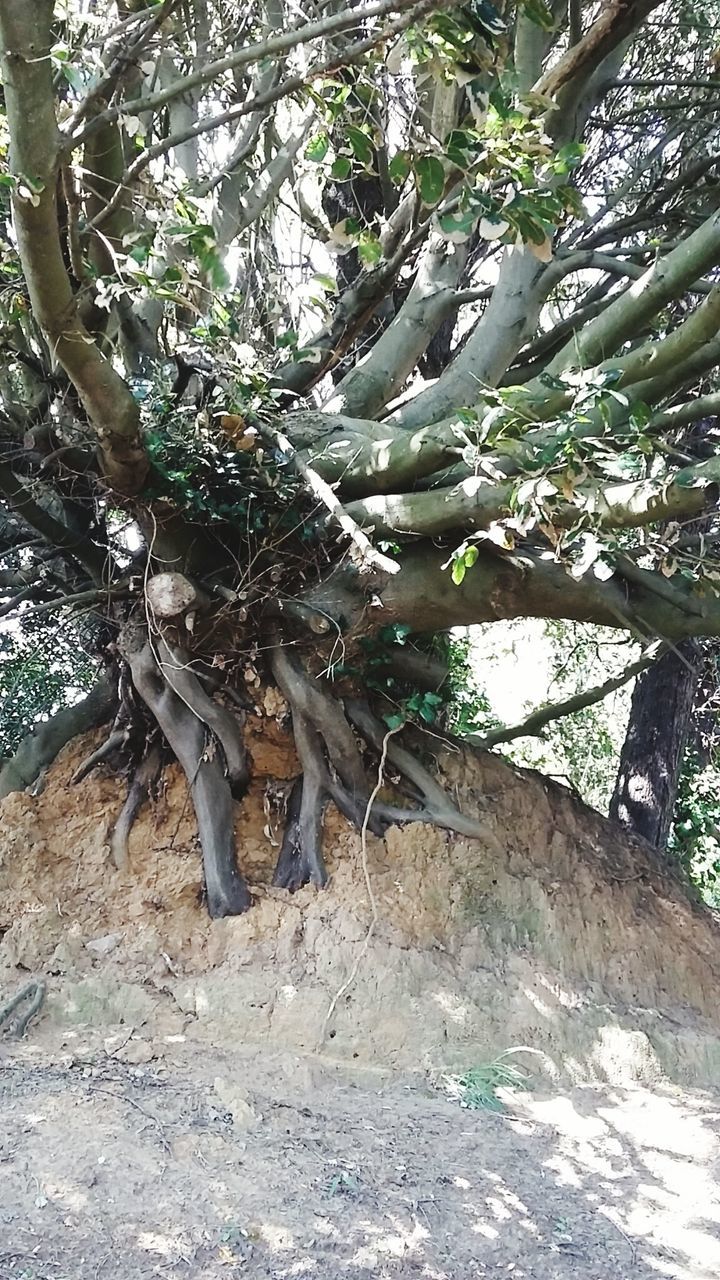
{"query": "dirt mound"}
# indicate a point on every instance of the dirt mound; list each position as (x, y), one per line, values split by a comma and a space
(573, 942)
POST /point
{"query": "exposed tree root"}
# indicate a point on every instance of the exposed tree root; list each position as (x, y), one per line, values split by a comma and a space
(143, 780)
(32, 991)
(438, 809)
(319, 727)
(289, 872)
(113, 741)
(333, 768)
(312, 700)
(176, 666)
(185, 731)
(312, 802)
(207, 740)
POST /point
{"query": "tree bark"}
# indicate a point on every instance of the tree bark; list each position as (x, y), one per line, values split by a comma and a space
(643, 801)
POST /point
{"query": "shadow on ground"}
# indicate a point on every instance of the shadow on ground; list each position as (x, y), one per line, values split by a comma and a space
(208, 1164)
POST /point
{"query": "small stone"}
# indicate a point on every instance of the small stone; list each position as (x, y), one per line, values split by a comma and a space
(234, 1100)
(135, 1052)
(104, 945)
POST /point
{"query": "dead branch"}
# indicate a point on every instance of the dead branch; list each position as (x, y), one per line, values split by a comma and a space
(363, 552)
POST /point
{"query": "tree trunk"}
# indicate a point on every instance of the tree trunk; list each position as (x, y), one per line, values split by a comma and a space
(651, 759)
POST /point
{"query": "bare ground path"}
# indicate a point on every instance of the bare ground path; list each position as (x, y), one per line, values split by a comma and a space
(205, 1164)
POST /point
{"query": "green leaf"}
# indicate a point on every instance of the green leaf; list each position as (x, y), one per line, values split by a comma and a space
(640, 414)
(458, 571)
(461, 147)
(458, 226)
(569, 156)
(360, 144)
(212, 266)
(341, 169)
(369, 249)
(394, 721)
(325, 282)
(430, 176)
(72, 75)
(539, 11)
(317, 148)
(399, 167)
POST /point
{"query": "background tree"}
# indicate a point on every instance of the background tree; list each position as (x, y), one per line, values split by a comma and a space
(215, 439)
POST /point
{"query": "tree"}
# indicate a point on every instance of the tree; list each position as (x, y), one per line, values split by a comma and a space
(654, 748)
(177, 460)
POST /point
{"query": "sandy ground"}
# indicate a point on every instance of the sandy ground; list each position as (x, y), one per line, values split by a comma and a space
(206, 1164)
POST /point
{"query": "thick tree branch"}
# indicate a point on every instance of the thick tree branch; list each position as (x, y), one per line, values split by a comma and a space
(532, 585)
(474, 504)
(616, 22)
(25, 40)
(668, 278)
(381, 374)
(41, 746)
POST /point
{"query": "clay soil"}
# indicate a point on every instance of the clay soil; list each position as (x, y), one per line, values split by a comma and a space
(218, 1164)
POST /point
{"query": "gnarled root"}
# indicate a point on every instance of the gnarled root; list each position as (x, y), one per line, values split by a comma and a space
(437, 808)
(311, 700)
(301, 859)
(176, 666)
(115, 739)
(182, 720)
(34, 992)
(289, 872)
(144, 779)
(332, 769)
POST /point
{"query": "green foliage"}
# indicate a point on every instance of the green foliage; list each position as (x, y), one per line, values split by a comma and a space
(44, 666)
(210, 480)
(463, 558)
(477, 1088)
(466, 706)
(695, 835)
(430, 174)
(457, 706)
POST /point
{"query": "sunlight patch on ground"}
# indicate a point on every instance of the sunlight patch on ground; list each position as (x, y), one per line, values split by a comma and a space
(451, 1005)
